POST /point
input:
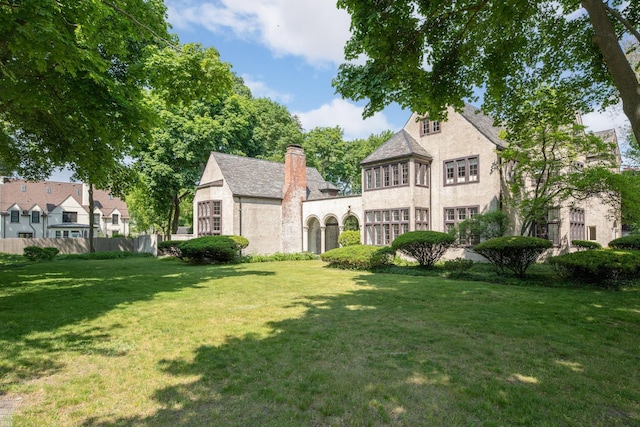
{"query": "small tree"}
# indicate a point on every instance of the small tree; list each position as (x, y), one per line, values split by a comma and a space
(349, 238)
(484, 226)
(516, 253)
(426, 247)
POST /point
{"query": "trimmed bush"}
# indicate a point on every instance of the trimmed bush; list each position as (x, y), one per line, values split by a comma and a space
(515, 253)
(627, 242)
(426, 247)
(170, 247)
(349, 238)
(586, 245)
(212, 248)
(36, 253)
(601, 267)
(457, 267)
(359, 257)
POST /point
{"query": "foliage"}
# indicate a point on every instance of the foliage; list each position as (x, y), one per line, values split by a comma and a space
(170, 247)
(425, 246)
(515, 253)
(599, 267)
(358, 257)
(212, 248)
(427, 55)
(457, 267)
(279, 256)
(544, 163)
(586, 244)
(349, 238)
(626, 242)
(36, 253)
(484, 226)
(106, 255)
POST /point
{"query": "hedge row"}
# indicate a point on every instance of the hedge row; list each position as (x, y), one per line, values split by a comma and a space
(358, 257)
(600, 267)
(206, 248)
(36, 253)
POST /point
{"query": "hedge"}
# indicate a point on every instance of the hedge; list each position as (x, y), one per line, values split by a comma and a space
(212, 248)
(626, 242)
(586, 244)
(349, 238)
(359, 257)
(426, 247)
(36, 253)
(515, 253)
(600, 267)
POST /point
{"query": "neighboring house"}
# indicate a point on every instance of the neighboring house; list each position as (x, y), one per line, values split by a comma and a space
(57, 209)
(428, 176)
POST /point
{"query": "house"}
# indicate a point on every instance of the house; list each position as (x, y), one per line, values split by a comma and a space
(58, 209)
(430, 175)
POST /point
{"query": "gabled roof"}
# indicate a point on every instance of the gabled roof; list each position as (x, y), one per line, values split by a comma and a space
(400, 145)
(251, 177)
(484, 124)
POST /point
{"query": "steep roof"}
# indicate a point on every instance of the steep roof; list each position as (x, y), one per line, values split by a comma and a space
(400, 145)
(50, 194)
(247, 176)
(484, 124)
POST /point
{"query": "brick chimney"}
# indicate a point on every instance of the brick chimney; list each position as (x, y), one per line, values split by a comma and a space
(294, 192)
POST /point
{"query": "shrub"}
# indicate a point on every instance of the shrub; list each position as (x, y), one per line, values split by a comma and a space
(212, 248)
(425, 246)
(36, 253)
(602, 267)
(170, 247)
(279, 256)
(457, 267)
(107, 255)
(359, 257)
(349, 238)
(586, 244)
(627, 242)
(484, 226)
(516, 253)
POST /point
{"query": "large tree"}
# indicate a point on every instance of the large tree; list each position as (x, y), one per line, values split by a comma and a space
(427, 55)
(550, 161)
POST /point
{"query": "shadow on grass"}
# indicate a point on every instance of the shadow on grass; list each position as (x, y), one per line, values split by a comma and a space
(39, 300)
(392, 354)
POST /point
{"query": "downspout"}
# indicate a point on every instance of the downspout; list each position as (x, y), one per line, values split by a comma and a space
(430, 193)
(240, 218)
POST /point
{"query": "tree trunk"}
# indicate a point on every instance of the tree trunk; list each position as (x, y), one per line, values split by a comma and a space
(176, 215)
(91, 208)
(619, 67)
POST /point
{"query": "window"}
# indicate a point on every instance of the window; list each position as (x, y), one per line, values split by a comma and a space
(115, 218)
(461, 171)
(15, 216)
(576, 224)
(428, 127)
(392, 175)
(549, 227)
(23, 188)
(209, 217)
(58, 234)
(422, 219)
(47, 190)
(35, 217)
(25, 235)
(422, 174)
(453, 216)
(383, 226)
(69, 216)
(592, 233)
(96, 219)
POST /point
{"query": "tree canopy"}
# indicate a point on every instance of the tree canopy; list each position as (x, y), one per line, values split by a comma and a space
(427, 55)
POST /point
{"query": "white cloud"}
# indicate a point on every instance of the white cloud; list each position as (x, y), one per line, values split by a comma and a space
(611, 118)
(346, 115)
(313, 29)
(259, 89)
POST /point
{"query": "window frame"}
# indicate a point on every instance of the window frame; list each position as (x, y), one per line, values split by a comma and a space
(577, 229)
(468, 212)
(388, 175)
(382, 226)
(429, 127)
(421, 219)
(422, 174)
(452, 167)
(552, 220)
(115, 219)
(35, 217)
(15, 216)
(209, 217)
(69, 217)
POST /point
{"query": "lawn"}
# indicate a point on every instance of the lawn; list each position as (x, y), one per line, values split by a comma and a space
(148, 342)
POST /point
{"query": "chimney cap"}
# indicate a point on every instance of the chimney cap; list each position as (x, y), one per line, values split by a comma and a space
(294, 146)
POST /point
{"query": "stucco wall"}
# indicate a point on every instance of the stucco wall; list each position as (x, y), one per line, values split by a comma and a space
(260, 220)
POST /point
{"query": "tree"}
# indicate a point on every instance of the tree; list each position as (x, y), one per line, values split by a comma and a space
(427, 55)
(325, 148)
(550, 160)
(274, 129)
(356, 151)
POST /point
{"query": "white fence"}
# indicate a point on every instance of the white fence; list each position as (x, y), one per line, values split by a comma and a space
(142, 244)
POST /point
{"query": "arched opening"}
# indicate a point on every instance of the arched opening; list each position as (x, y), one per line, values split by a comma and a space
(314, 239)
(351, 223)
(331, 232)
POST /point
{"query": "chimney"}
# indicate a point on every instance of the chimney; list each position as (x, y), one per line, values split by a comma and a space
(294, 193)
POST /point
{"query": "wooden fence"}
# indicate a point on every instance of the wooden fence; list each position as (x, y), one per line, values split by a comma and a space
(143, 244)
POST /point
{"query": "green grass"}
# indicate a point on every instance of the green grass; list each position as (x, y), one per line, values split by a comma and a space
(148, 342)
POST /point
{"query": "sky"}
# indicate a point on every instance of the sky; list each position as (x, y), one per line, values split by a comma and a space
(289, 51)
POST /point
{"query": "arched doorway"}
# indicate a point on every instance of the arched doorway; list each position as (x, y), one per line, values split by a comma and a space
(331, 232)
(314, 239)
(351, 223)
